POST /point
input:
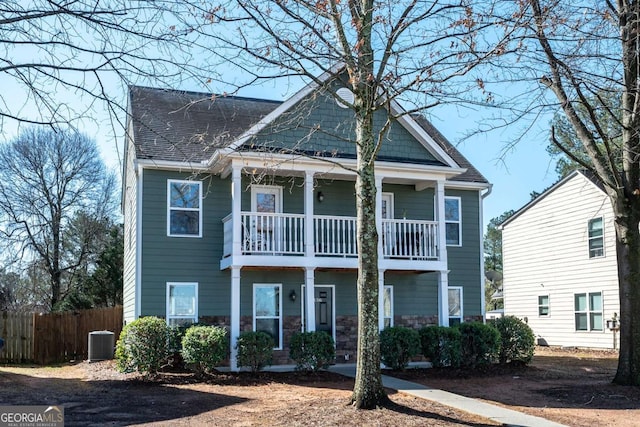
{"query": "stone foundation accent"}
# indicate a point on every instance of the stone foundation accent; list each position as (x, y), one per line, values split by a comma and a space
(414, 321)
(346, 339)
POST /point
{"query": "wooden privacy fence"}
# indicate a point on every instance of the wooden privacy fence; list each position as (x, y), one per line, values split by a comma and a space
(54, 337)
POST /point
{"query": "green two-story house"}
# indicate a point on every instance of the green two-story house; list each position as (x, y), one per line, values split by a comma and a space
(241, 212)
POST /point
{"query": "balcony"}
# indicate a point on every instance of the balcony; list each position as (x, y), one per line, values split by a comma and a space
(283, 234)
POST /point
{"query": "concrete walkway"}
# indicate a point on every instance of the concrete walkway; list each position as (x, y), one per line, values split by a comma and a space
(496, 413)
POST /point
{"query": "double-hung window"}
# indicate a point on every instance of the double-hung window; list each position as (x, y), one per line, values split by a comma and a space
(387, 300)
(455, 305)
(543, 305)
(588, 311)
(184, 206)
(596, 238)
(453, 221)
(267, 314)
(182, 303)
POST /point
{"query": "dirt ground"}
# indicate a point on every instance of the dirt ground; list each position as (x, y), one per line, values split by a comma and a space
(570, 387)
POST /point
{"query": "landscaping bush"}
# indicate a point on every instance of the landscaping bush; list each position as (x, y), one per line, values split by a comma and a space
(398, 345)
(142, 346)
(441, 345)
(480, 344)
(204, 347)
(255, 350)
(517, 341)
(312, 350)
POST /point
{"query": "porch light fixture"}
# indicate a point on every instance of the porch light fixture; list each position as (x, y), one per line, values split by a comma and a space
(320, 197)
(292, 295)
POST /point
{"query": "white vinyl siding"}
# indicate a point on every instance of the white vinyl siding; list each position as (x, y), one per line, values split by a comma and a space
(545, 253)
(130, 208)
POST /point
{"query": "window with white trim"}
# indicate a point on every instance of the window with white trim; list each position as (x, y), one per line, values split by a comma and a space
(453, 220)
(543, 305)
(267, 314)
(387, 306)
(184, 208)
(182, 304)
(596, 238)
(455, 305)
(588, 311)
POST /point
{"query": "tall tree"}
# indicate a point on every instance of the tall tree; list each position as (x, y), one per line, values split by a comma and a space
(493, 258)
(63, 62)
(581, 55)
(604, 105)
(386, 52)
(49, 181)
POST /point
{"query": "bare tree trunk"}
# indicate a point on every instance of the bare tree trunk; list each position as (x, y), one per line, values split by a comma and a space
(628, 253)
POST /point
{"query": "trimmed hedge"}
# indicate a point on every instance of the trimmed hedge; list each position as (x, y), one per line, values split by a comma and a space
(441, 345)
(255, 350)
(312, 351)
(480, 344)
(398, 345)
(517, 342)
(142, 346)
(204, 347)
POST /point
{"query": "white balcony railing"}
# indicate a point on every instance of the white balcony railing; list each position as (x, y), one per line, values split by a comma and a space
(409, 239)
(334, 236)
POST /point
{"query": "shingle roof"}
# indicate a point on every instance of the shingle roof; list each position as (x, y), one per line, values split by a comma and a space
(188, 126)
(472, 174)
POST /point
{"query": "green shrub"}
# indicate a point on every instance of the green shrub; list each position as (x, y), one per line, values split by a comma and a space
(517, 341)
(255, 350)
(398, 345)
(142, 346)
(312, 350)
(441, 345)
(480, 344)
(204, 347)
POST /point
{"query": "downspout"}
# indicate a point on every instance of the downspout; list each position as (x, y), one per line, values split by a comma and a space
(483, 307)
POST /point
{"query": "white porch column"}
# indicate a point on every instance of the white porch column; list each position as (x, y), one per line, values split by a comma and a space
(309, 248)
(310, 299)
(236, 209)
(381, 299)
(379, 216)
(443, 298)
(235, 315)
(443, 276)
(440, 217)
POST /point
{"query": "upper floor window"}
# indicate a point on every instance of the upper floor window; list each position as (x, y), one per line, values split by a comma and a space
(184, 205)
(453, 221)
(543, 305)
(588, 311)
(596, 238)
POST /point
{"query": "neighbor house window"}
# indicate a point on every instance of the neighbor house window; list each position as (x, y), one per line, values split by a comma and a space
(588, 311)
(182, 304)
(184, 200)
(543, 305)
(455, 305)
(387, 303)
(453, 221)
(596, 238)
(267, 315)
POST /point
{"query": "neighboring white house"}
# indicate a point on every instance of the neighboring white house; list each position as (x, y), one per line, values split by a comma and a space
(559, 261)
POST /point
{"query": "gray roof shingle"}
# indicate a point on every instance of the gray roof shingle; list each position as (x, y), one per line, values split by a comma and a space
(188, 126)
